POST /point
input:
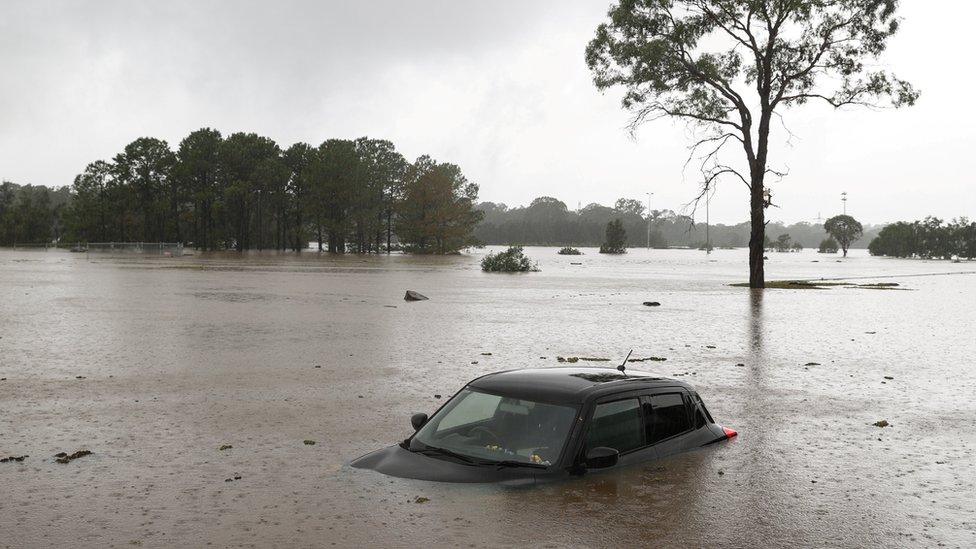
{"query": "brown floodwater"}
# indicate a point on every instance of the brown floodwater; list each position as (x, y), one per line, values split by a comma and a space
(180, 356)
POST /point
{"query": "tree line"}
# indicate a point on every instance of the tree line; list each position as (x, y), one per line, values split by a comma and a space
(547, 221)
(930, 238)
(245, 192)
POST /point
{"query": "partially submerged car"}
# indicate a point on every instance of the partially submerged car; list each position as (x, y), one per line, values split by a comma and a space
(539, 424)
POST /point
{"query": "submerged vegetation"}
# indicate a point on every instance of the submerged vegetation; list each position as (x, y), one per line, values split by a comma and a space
(930, 238)
(568, 250)
(244, 191)
(512, 260)
(615, 241)
(828, 246)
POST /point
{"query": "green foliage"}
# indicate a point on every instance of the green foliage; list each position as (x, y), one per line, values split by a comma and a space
(547, 222)
(511, 260)
(616, 238)
(929, 238)
(244, 192)
(783, 243)
(728, 67)
(437, 214)
(569, 250)
(828, 246)
(845, 230)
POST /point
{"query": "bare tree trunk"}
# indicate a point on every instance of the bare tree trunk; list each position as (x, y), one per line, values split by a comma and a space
(757, 238)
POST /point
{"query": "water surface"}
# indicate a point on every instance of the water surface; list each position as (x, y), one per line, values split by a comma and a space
(179, 356)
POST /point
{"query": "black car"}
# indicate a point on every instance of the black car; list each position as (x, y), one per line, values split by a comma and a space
(533, 425)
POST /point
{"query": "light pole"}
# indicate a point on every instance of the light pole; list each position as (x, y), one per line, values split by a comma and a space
(649, 220)
(843, 198)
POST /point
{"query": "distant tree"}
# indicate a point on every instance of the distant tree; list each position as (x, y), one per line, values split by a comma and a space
(828, 246)
(727, 67)
(844, 229)
(796, 246)
(783, 243)
(145, 167)
(436, 214)
(629, 207)
(198, 169)
(616, 238)
(297, 159)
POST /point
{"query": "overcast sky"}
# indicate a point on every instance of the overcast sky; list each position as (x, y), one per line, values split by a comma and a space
(499, 88)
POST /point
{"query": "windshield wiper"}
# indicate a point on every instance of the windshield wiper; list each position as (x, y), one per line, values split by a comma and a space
(512, 463)
(434, 450)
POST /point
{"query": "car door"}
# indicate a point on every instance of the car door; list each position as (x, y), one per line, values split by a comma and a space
(617, 422)
(668, 420)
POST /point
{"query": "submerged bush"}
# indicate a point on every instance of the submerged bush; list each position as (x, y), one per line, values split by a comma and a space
(616, 238)
(569, 250)
(511, 260)
(828, 246)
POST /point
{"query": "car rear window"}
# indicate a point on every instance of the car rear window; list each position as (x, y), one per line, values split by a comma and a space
(667, 416)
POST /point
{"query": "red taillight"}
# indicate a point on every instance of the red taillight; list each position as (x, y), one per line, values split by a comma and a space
(729, 433)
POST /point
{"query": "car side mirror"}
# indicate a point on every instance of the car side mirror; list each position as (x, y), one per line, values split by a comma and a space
(418, 421)
(601, 457)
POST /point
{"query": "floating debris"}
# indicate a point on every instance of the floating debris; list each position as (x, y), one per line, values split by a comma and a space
(10, 459)
(652, 304)
(437, 396)
(882, 423)
(67, 458)
(421, 499)
(485, 354)
(812, 364)
(889, 377)
(308, 442)
(650, 358)
(224, 447)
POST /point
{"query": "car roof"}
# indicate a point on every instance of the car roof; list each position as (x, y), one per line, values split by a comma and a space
(567, 385)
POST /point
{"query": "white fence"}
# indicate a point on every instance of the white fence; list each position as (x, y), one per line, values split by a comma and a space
(169, 249)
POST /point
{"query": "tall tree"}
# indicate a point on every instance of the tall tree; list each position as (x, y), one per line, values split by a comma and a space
(436, 214)
(728, 66)
(297, 159)
(145, 166)
(844, 229)
(197, 168)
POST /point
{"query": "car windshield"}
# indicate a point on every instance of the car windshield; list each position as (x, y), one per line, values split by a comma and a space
(497, 428)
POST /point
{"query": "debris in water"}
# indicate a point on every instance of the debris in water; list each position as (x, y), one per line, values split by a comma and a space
(721, 473)
(651, 358)
(10, 459)
(414, 296)
(485, 354)
(224, 447)
(870, 333)
(421, 499)
(571, 359)
(889, 377)
(709, 346)
(812, 364)
(79, 377)
(882, 423)
(309, 442)
(437, 396)
(66, 458)
(474, 362)
(740, 364)
(652, 304)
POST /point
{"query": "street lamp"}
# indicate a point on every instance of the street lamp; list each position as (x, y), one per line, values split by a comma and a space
(649, 220)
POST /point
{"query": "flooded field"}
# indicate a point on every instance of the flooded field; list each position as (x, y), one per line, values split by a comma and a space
(153, 364)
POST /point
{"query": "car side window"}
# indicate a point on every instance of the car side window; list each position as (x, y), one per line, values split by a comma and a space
(616, 425)
(667, 416)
